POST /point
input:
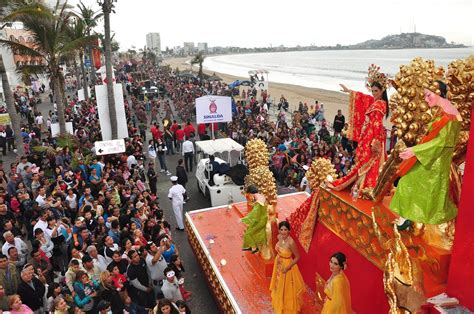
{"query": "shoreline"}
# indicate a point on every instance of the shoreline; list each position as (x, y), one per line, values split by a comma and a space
(332, 100)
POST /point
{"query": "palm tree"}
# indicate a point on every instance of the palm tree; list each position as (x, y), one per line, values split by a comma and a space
(5, 5)
(7, 91)
(49, 29)
(198, 59)
(76, 31)
(90, 19)
(107, 8)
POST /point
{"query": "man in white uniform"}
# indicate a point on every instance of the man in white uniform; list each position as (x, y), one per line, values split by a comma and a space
(176, 195)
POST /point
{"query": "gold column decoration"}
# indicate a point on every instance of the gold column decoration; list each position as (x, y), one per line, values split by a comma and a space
(319, 172)
(256, 153)
(410, 112)
(403, 276)
(460, 80)
(257, 156)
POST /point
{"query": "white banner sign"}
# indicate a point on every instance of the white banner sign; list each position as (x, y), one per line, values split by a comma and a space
(103, 109)
(109, 147)
(80, 94)
(210, 109)
(55, 129)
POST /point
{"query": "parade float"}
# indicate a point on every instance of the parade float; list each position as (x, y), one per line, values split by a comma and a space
(389, 270)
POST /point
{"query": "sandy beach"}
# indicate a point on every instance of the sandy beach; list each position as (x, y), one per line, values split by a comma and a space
(332, 100)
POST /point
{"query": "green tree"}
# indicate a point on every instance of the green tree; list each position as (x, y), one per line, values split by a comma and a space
(107, 8)
(5, 7)
(49, 29)
(90, 18)
(198, 59)
(77, 30)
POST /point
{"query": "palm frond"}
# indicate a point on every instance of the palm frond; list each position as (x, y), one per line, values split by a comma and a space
(32, 69)
(78, 43)
(36, 10)
(21, 49)
(67, 140)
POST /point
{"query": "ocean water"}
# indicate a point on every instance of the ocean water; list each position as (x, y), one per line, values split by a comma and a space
(326, 69)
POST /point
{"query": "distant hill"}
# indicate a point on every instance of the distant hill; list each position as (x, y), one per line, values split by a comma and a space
(406, 40)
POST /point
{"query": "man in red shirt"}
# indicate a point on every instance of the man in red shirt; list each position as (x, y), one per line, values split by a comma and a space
(201, 129)
(173, 129)
(179, 138)
(189, 129)
(155, 132)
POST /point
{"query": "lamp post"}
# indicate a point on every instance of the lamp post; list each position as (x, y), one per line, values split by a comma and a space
(107, 8)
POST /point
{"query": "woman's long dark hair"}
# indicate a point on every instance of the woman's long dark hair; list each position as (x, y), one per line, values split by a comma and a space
(384, 97)
(443, 88)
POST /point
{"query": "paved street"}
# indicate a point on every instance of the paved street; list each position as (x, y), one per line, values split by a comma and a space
(202, 300)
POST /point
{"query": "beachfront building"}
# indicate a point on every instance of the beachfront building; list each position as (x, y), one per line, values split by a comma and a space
(153, 42)
(188, 48)
(202, 47)
(13, 60)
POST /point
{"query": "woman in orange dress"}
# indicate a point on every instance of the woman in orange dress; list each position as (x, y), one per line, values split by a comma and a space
(337, 289)
(366, 115)
(287, 285)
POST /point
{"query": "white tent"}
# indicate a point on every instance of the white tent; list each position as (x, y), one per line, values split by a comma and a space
(220, 145)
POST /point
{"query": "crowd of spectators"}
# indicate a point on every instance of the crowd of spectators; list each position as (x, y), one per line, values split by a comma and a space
(85, 233)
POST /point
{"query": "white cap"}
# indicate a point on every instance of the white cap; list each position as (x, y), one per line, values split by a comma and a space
(174, 178)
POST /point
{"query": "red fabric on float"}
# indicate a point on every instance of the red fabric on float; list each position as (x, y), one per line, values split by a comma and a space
(461, 273)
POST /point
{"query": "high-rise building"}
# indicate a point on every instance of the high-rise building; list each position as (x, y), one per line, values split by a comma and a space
(153, 42)
(202, 47)
(188, 48)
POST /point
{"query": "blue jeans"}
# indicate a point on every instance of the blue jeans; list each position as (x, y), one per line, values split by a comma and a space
(162, 160)
(169, 145)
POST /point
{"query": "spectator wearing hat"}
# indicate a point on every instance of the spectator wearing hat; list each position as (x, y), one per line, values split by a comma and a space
(170, 286)
(304, 185)
(91, 269)
(176, 195)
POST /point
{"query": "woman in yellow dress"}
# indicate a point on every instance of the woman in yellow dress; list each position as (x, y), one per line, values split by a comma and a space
(337, 290)
(287, 285)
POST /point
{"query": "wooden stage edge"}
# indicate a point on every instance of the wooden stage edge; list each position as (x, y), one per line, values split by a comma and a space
(237, 278)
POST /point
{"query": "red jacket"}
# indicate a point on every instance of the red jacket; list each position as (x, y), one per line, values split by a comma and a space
(180, 134)
(174, 127)
(156, 132)
(188, 129)
(201, 128)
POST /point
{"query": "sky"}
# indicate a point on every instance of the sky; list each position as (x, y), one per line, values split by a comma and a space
(253, 23)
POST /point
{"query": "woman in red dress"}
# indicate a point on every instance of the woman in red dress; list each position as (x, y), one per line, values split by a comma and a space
(366, 114)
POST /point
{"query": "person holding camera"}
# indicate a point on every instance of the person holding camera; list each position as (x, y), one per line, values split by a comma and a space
(156, 263)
